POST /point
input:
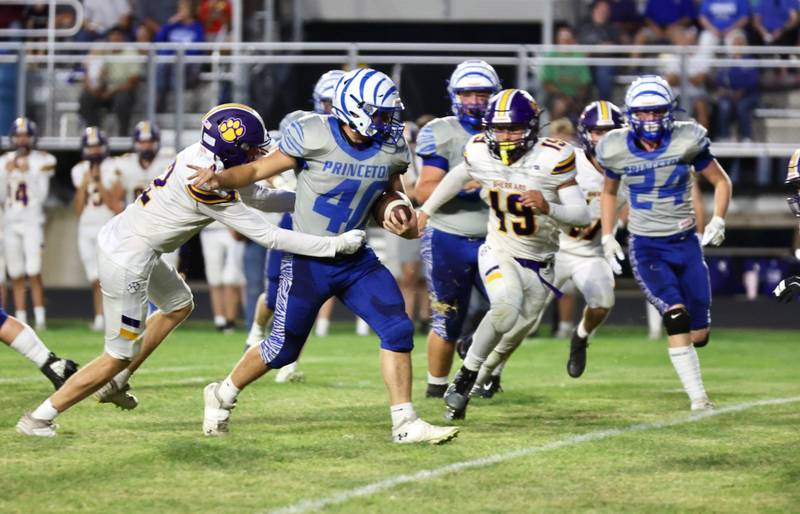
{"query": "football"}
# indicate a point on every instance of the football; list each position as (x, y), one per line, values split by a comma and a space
(388, 202)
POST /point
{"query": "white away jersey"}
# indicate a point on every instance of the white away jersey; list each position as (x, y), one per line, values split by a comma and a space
(513, 228)
(171, 210)
(95, 212)
(26, 191)
(337, 183)
(585, 242)
(441, 143)
(658, 183)
(134, 178)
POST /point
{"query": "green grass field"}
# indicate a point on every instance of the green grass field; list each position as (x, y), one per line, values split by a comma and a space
(312, 446)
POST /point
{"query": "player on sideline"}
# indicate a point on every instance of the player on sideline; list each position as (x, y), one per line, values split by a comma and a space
(531, 189)
(94, 179)
(21, 338)
(450, 243)
(322, 98)
(164, 216)
(347, 161)
(789, 287)
(653, 157)
(26, 174)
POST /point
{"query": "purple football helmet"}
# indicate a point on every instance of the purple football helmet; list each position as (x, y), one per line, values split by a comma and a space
(509, 109)
(146, 132)
(23, 127)
(599, 115)
(93, 137)
(234, 133)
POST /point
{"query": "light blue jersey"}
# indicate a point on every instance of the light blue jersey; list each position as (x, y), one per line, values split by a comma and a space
(337, 183)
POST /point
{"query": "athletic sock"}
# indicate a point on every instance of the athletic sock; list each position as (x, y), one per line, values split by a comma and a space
(437, 380)
(581, 330)
(687, 365)
(499, 369)
(401, 413)
(227, 392)
(219, 321)
(122, 378)
(45, 411)
(28, 344)
(38, 315)
(322, 327)
(21, 316)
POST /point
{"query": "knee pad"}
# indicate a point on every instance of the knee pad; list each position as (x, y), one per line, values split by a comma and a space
(677, 321)
(503, 316)
(398, 337)
(703, 342)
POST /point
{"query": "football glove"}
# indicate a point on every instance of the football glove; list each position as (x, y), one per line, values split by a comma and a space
(613, 253)
(350, 241)
(787, 289)
(714, 232)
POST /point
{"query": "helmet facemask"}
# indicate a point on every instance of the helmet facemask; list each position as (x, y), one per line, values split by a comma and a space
(471, 111)
(510, 149)
(650, 123)
(794, 198)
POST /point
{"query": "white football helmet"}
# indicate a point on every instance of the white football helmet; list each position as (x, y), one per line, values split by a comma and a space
(472, 75)
(650, 93)
(323, 89)
(369, 103)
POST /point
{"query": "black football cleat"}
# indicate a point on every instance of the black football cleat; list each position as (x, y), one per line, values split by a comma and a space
(490, 388)
(456, 397)
(577, 355)
(58, 370)
(435, 390)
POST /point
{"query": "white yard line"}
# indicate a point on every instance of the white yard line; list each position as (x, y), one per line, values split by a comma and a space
(382, 485)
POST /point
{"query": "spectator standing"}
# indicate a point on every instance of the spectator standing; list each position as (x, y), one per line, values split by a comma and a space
(775, 21)
(738, 91)
(215, 15)
(183, 27)
(718, 18)
(154, 13)
(666, 20)
(600, 31)
(110, 84)
(567, 87)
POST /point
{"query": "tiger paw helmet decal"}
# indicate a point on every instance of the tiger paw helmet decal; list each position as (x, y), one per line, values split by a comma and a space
(231, 129)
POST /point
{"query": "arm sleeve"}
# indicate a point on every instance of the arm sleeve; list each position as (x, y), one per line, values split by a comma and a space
(573, 209)
(450, 186)
(267, 199)
(255, 226)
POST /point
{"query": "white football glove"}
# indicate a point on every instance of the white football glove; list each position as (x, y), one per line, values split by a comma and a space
(714, 232)
(350, 241)
(613, 253)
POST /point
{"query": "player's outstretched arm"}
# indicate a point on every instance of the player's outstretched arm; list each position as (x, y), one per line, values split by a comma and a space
(245, 174)
(715, 230)
(255, 226)
(447, 189)
(267, 199)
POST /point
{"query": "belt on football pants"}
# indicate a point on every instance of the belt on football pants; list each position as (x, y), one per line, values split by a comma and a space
(536, 266)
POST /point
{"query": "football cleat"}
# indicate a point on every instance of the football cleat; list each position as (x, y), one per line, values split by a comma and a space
(216, 413)
(58, 370)
(577, 355)
(456, 397)
(28, 425)
(119, 396)
(462, 346)
(419, 431)
(289, 373)
(489, 389)
(702, 404)
(435, 390)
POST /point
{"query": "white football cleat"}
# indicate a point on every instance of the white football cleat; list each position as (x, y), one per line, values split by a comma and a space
(362, 328)
(419, 431)
(289, 373)
(703, 404)
(216, 412)
(28, 425)
(119, 396)
(254, 337)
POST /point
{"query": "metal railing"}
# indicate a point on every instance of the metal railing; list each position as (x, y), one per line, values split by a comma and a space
(231, 61)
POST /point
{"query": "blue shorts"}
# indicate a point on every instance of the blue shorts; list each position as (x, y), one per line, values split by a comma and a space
(672, 270)
(273, 268)
(451, 271)
(360, 281)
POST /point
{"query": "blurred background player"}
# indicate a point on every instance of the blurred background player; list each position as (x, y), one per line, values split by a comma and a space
(789, 288)
(350, 159)
(223, 254)
(162, 218)
(26, 175)
(138, 168)
(653, 157)
(21, 338)
(450, 244)
(530, 185)
(95, 203)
